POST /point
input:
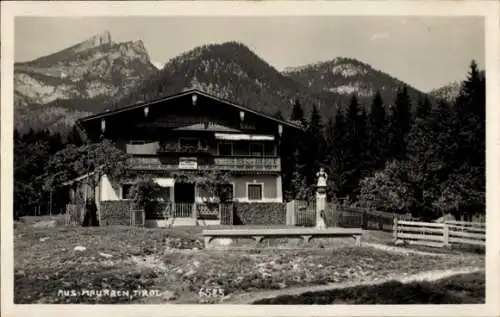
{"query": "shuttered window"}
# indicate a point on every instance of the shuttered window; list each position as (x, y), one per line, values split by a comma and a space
(254, 191)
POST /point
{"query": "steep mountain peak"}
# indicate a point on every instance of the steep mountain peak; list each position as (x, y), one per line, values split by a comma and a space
(95, 41)
(79, 79)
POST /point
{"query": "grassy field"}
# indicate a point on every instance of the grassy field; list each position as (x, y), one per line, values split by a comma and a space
(460, 289)
(174, 262)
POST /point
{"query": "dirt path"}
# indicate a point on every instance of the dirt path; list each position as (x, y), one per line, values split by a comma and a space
(249, 298)
(394, 249)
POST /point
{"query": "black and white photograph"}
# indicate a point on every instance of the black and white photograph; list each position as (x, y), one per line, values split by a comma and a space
(247, 159)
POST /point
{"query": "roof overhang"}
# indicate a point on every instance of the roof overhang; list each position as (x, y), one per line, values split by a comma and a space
(165, 182)
(243, 137)
(182, 94)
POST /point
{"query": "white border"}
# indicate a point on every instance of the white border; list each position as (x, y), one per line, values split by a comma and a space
(488, 9)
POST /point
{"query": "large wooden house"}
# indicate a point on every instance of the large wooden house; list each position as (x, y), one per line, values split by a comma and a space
(195, 131)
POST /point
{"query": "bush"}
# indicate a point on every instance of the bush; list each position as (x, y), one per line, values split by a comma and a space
(115, 212)
(259, 213)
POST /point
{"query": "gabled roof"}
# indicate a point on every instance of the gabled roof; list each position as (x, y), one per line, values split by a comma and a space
(184, 93)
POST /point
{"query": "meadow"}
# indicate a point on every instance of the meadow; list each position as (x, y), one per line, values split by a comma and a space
(174, 263)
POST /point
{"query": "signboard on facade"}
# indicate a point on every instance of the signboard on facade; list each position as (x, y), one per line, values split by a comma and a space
(188, 163)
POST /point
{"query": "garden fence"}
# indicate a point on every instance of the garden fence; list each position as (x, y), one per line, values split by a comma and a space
(439, 234)
(303, 213)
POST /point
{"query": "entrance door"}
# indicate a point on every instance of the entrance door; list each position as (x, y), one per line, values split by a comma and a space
(184, 199)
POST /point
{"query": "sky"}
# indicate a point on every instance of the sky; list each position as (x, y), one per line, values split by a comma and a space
(425, 52)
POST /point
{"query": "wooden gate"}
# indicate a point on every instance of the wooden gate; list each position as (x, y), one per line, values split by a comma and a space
(74, 214)
(226, 214)
(137, 218)
(301, 213)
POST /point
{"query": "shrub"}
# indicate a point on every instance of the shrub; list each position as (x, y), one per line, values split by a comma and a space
(146, 194)
(259, 213)
(115, 212)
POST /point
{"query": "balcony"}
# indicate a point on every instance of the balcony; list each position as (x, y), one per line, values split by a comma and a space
(233, 163)
(248, 163)
(183, 149)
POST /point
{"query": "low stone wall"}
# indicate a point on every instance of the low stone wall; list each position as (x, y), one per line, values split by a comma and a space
(259, 214)
(115, 212)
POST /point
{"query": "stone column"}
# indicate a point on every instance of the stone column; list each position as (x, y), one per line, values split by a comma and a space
(320, 198)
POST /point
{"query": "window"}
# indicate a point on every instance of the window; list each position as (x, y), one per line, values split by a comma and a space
(225, 148)
(256, 149)
(126, 189)
(254, 191)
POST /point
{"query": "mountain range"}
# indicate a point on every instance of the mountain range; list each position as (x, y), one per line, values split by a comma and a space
(98, 74)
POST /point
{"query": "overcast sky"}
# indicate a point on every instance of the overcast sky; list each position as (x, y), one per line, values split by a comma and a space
(424, 52)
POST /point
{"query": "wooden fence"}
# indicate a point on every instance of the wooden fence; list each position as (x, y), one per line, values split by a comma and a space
(439, 234)
(302, 213)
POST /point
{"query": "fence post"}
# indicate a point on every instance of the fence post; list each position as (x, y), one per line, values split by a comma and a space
(380, 223)
(446, 235)
(294, 220)
(395, 230)
(364, 220)
(193, 211)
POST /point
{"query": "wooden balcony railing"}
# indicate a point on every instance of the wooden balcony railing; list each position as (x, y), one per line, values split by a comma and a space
(248, 163)
(219, 163)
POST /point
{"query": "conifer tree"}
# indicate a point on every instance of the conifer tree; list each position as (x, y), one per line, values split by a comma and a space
(377, 132)
(353, 147)
(470, 130)
(293, 155)
(401, 123)
(471, 116)
(297, 111)
(330, 142)
(314, 147)
(336, 144)
(424, 107)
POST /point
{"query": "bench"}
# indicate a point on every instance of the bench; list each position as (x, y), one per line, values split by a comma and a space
(259, 234)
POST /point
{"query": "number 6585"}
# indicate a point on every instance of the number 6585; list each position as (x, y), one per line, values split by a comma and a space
(211, 292)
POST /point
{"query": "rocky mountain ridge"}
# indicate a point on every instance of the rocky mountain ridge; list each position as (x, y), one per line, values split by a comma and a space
(232, 71)
(448, 92)
(98, 74)
(347, 76)
(93, 70)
